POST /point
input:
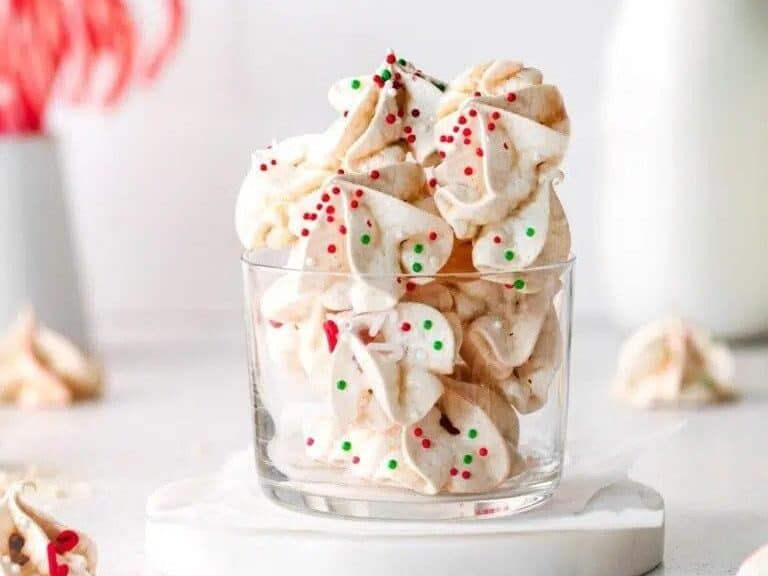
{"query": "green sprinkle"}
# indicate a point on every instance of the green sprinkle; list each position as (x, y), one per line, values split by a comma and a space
(419, 248)
(392, 464)
(438, 345)
(519, 284)
(341, 384)
(467, 458)
(427, 324)
(386, 74)
(417, 267)
(509, 255)
(440, 86)
(530, 232)
(402, 61)
(346, 446)
(355, 84)
(472, 433)
(365, 239)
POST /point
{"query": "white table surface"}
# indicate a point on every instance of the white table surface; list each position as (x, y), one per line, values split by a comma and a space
(178, 410)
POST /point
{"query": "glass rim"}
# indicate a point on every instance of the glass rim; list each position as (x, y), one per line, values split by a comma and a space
(249, 258)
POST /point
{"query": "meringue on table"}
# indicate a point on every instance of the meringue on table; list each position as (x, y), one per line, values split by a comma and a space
(670, 363)
(34, 544)
(40, 368)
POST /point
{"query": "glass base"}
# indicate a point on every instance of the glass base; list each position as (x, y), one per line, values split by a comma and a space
(504, 502)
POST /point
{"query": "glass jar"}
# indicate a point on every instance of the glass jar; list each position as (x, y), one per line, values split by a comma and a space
(409, 397)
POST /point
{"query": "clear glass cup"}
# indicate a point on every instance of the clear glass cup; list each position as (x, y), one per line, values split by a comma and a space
(448, 402)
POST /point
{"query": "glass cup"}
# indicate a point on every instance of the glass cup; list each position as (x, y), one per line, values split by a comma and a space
(409, 397)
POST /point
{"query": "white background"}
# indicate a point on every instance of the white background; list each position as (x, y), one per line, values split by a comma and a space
(153, 183)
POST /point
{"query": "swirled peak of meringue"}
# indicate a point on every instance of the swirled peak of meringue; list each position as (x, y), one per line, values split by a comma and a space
(34, 544)
(494, 78)
(384, 116)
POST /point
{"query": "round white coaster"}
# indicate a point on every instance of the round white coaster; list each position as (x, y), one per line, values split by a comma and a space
(223, 525)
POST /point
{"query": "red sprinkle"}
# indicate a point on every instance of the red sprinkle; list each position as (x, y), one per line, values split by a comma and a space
(411, 139)
(462, 120)
(511, 97)
(432, 182)
(415, 112)
(466, 474)
(483, 452)
(454, 472)
(497, 239)
(307, 216)
(342, 229)
(473, 112)
(330, 209)
(263, 167)
(455, 128)
(331, 334)
(405, 327)
(433, 236)
(354, 204)
(313, 216)
(355, 459)
(325, 197)
(375, 174)
(340, 171)
(449, 139)
(310, 441)
(491, 126)
(410, 286)
(331, 248)
(330, 219)
(359, 192)
(479, 151)
(304, 232)
(407, 129)
(467, 132)
(273, 162)
(467, 141)
(275, 324)
(336, 190)
(319, 207)
(391, 59)
(426, 443)
(468, 171)
(477, 94)
(443, 138)
(496, 115)
(391, 118)
(441, 154)
(418, 432)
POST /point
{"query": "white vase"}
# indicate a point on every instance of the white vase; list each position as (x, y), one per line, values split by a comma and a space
(683, 227)
(38, 266)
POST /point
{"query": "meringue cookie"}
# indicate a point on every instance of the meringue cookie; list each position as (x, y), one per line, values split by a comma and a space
(34, 544)
(457, 447)
(670, 363)
(488, 79)
(279, 175)
(40, 368)
(354, 226)
(385, 116)
(493, 150)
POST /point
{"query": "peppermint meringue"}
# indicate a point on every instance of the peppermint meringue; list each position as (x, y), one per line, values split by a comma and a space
(406, 332)
(40, 368)
(671, 363)
(34, 544)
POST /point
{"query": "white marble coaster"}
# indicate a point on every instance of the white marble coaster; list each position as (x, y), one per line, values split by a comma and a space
(223, 525)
